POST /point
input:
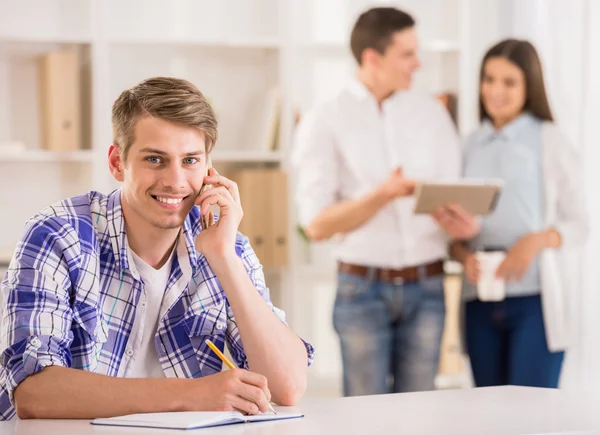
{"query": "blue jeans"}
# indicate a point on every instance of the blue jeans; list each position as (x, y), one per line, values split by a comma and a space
(507, 345)
(390, 334)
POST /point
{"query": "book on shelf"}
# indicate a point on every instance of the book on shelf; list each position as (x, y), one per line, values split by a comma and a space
(60, 95)
(268, 120)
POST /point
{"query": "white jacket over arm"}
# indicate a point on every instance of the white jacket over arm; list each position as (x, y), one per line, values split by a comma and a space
(565, 211)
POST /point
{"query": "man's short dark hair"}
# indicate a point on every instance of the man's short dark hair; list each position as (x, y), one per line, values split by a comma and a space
(375, 29)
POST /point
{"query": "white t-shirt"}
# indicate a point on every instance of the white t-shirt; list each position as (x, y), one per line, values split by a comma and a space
(145, 363)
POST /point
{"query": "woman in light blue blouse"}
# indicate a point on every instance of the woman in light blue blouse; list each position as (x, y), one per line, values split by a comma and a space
(520, 339)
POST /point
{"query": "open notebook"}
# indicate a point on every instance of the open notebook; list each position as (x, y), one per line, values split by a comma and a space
(190, 420)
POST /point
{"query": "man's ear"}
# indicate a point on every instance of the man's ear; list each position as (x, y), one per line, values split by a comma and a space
(115, 163)
(370, 57)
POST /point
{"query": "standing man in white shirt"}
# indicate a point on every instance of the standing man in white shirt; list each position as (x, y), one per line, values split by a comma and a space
(356, 159)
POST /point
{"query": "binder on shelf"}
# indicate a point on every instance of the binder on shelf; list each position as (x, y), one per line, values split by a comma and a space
(263, 192)
(59, 92)
(278, 202)
(251, 184)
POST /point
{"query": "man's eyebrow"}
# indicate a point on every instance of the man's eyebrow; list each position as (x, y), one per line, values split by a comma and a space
(162, 153)
(152, 151)
(195, 153)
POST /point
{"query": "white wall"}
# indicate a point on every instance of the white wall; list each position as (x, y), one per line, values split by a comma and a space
(484, 23)
(590, 311)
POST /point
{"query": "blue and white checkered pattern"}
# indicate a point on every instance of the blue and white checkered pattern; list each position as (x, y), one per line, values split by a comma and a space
(71, 293)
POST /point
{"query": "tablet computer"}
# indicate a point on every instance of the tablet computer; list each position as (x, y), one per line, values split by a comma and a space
(478, 197)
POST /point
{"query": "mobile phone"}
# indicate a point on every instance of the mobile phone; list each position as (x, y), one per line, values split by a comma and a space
(205, 220)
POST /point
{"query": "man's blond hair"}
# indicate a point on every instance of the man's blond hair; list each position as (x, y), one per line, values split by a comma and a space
(167, 98)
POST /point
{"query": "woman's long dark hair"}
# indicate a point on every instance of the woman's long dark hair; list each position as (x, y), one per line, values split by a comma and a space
(524, 56)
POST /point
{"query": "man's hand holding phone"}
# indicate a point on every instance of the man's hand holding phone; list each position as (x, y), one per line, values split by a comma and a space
(219, 238)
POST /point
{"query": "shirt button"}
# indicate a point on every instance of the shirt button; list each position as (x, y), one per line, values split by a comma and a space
(220, 325)
(129, 352)
(36, 342)
(143, 305)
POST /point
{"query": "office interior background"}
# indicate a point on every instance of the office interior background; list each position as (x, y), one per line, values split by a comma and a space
(263, 64)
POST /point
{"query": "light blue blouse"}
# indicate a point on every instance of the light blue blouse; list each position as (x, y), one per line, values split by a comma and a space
(512, 154)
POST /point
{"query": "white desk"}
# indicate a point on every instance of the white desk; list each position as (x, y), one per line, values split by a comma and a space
(500, 410)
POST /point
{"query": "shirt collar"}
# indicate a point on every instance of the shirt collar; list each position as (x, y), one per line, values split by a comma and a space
(510, 131)
(362, 93)
(118, 237)
(359, 90)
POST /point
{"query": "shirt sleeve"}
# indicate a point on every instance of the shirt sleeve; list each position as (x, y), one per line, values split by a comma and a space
(36, 322)
(255, 271)
(316, 164)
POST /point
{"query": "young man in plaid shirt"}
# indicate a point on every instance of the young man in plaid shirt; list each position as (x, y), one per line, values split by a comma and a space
(109, 299)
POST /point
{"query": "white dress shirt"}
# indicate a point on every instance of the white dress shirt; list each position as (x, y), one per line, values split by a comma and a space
(347, 147)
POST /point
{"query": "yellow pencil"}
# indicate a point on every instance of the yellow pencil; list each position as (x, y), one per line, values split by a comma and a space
(228, 363)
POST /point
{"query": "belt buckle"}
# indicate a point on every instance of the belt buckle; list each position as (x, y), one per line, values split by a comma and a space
(398, 280)
(385, 276)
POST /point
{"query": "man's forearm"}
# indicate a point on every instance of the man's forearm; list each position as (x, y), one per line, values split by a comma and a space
(346, 216)
(272, 349)
(59, 392)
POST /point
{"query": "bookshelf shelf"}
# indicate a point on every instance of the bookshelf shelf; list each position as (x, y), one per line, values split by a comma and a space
(250, 156)
(259, 44)
(5, 257)
(45, 39)
(84, 156)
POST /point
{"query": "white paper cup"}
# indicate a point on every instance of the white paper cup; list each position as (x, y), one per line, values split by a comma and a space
(490, 288)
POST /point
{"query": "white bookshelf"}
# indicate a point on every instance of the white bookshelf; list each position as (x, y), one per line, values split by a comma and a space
(234, 51)
(231, 52)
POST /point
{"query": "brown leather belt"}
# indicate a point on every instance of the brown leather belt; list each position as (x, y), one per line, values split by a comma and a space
(408, 274)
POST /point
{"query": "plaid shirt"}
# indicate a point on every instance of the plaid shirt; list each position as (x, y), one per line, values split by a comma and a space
(71, 296)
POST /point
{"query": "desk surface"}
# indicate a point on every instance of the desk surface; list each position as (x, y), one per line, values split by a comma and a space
(483, 411)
